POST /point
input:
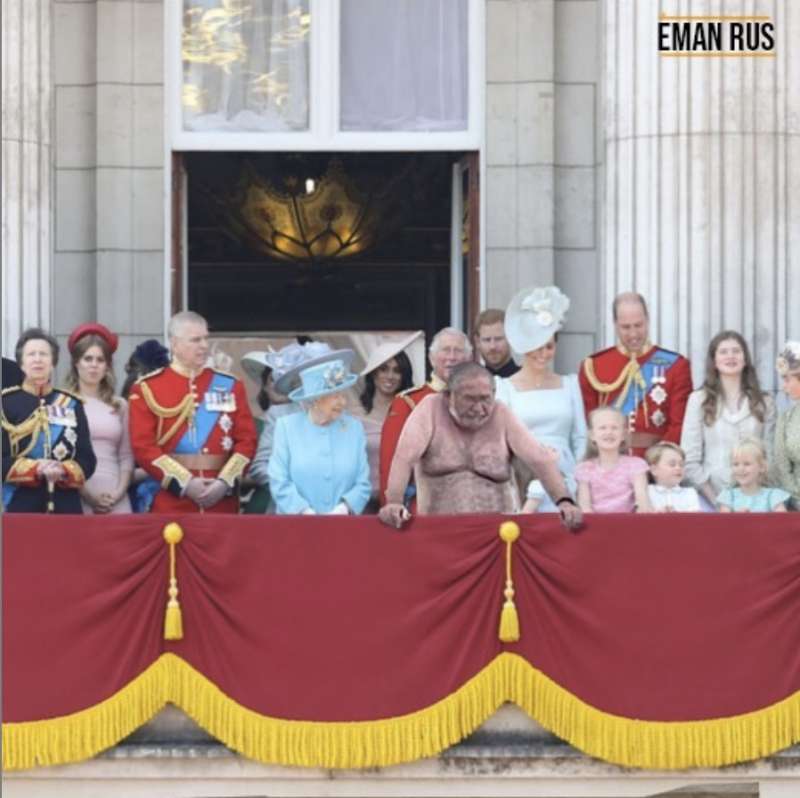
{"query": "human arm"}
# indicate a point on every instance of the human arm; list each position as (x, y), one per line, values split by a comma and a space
(258, 471)
(640, 493)
(678, 387)
(399, 411)
(584, 496)
(578, 433)
(357, 496)
(288, 499)
(411, 446)
(693, 444)
(542, 460)
(243, 433)
(83, 462)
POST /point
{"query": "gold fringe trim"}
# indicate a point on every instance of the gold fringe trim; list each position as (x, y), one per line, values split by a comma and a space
(380, 743)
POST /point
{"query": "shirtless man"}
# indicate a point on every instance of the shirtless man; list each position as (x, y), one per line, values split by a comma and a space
(459, 444)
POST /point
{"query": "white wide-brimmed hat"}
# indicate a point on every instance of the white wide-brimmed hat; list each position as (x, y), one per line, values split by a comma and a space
(534, 316)
(387, 350)
(323, 378)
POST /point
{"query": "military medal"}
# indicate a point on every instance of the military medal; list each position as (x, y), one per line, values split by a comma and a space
(227, 443)
(225, 423)
(61, 452)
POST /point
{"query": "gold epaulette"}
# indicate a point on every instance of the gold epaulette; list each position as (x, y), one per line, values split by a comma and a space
(11, 389)
(150, 374)
(406, 395)
(70, 394)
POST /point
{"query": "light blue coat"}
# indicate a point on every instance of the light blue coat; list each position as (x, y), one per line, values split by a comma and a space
(318, 466)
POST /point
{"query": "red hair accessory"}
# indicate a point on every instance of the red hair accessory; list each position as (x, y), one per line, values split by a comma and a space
(93, 329)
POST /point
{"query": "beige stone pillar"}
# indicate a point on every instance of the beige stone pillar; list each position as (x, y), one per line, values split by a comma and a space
(26, 164)
(702, 181)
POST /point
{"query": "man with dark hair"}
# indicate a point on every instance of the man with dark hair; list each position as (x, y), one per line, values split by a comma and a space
(459, 444)
(491, 343)
(649, 384)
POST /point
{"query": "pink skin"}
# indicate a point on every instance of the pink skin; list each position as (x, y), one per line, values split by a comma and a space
(729, 358)
(791, 385)
(631, 326)
(190, 347)
(328, 408)
(539, 360)
(493, 345)
(91, 368)
(471, 404)
(668, 471)
(452, 351)
(388, 377)
(608, 433)
(37, 362)
(748, 471)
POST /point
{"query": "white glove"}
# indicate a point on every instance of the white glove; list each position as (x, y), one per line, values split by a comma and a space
(340, 509)
(309, 511)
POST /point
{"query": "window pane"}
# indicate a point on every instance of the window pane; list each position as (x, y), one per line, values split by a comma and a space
(245, 65)
(404, 65)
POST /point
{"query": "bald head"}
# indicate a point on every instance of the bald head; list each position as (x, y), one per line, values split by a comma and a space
(629, 298)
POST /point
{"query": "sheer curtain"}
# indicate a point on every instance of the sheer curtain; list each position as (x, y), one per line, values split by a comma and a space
(245, 65)
(404, 65)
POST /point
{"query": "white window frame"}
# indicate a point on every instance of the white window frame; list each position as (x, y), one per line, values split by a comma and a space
(324, 79)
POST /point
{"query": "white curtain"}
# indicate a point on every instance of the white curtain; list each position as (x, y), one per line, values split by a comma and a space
(245, 65)
(404, 65)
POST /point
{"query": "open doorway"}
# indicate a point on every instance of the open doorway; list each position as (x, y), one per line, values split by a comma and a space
(287, 242)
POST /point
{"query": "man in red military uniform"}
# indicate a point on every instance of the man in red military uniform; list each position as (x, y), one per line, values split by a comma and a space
(650, 385)
(191, 426)
(449, 347)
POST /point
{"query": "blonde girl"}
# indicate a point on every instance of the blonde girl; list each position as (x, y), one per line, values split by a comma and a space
(609, 480)
(750, 493)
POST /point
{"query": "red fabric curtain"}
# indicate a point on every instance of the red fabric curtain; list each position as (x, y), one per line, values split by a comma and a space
(661, 617)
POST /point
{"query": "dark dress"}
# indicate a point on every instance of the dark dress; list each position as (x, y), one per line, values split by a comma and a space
(28, 421)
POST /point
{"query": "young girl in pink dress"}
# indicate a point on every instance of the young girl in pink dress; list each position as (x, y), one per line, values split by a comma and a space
(610, 481)
(92, 376)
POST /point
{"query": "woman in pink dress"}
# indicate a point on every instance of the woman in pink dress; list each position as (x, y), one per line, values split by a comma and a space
(91, 375)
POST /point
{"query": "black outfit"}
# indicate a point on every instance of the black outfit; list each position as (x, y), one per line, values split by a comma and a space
(12, 373)
(506, 370)
(61, 415)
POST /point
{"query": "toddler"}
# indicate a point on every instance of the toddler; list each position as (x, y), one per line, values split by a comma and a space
(610, 481)
(666, 461)
(750, 494)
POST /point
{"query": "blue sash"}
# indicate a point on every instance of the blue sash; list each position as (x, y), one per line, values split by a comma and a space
(37, 452)
(204, 419)
(660, 361)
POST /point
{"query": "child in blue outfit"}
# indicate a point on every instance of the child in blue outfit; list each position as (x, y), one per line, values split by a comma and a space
(750, 495)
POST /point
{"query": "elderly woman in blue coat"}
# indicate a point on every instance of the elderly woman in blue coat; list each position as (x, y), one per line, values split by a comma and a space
(319, 458)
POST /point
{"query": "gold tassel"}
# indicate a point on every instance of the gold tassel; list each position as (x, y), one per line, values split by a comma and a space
(173, 619)
(509, 620)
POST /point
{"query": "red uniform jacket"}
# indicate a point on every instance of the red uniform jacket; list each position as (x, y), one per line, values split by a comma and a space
(399, 411)
(664, 418)
(161, 408)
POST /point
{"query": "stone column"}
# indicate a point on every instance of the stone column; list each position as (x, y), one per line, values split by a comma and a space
(702, 182)
(26, 164)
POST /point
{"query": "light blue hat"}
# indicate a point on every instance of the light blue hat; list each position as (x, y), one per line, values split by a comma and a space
(322, 379)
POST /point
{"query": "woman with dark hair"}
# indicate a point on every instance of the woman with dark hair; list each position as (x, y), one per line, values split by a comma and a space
(148, 356)
(729, 408)
(91, 376)
(388, 372)
(47, 451)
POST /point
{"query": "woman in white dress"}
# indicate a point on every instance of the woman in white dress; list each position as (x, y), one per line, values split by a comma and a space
(549, 404)
(91, 375)
(729, 408)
